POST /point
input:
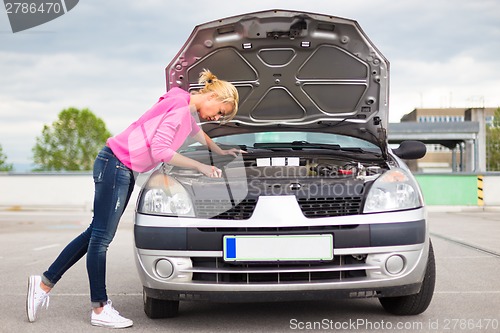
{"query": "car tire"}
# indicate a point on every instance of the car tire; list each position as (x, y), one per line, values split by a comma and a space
(414, 304)
(160, 308)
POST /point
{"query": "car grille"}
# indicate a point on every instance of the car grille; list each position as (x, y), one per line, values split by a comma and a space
(215, 270)
(311, 208)
(212, 208)
(326, 207)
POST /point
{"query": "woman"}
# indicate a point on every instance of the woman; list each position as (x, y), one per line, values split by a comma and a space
(152, 139)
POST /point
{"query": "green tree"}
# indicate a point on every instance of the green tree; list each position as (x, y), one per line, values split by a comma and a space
(493, 143)
(3, 162)
(71, 143)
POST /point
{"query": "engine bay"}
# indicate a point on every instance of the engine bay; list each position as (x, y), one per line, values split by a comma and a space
(281, 167)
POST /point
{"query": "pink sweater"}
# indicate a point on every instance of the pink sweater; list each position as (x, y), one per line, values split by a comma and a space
(157, 134)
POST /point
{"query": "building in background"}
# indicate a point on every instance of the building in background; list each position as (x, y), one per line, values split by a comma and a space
(443, 157)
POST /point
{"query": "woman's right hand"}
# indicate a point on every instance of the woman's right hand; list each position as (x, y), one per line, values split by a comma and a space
(210, 171)
(181, 161)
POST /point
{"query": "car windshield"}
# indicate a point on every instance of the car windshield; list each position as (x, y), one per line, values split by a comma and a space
(251, 139)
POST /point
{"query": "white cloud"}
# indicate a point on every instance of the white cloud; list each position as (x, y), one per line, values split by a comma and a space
(35, 89)
(461, 81)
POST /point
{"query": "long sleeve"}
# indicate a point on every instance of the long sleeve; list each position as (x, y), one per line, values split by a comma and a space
(162, 148)
(171, 134)
(157, 134)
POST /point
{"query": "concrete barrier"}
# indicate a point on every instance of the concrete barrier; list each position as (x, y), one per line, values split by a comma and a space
(460, 189)
(21, 191)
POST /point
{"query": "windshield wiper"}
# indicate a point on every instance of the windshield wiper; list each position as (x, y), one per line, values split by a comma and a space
(300, 145)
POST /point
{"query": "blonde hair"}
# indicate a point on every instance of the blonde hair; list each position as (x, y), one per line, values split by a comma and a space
(226, 92)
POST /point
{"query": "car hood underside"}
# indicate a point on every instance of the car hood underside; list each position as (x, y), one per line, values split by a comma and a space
(292, 70)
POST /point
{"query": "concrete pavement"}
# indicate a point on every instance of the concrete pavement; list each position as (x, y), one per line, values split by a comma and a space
(466, 293)
(473, 227)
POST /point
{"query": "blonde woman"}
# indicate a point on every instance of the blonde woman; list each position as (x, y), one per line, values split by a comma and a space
(152, 139)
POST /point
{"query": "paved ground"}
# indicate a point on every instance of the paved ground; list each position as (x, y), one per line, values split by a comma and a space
(467, 296)
(472, 227)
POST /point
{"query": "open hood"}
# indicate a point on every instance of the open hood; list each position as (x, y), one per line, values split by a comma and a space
(293, 70)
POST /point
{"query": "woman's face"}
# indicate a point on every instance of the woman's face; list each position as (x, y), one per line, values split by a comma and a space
(212, 109)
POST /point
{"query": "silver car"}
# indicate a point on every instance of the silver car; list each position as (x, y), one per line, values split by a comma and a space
(320, 207)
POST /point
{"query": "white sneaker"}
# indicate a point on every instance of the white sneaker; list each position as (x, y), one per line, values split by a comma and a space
(36, 297)
(109, 317)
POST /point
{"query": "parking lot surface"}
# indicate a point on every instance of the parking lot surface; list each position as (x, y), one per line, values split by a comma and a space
(466, 299)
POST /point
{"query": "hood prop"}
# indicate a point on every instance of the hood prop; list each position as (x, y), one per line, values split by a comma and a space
(382, 136)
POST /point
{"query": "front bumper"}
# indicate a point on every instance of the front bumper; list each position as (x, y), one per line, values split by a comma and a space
(280, 296)
(371, 259)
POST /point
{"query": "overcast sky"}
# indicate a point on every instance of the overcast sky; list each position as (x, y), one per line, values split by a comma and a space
(110, 56)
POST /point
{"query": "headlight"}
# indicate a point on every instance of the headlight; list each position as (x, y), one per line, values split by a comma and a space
(394, 190)
(165, 196)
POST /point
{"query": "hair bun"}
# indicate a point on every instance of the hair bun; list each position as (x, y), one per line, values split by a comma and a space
(211, 79)
(207, 77)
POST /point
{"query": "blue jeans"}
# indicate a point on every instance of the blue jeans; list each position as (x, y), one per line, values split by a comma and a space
(114, 183)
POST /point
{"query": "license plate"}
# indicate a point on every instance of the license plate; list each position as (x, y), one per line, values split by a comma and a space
(278, 248)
